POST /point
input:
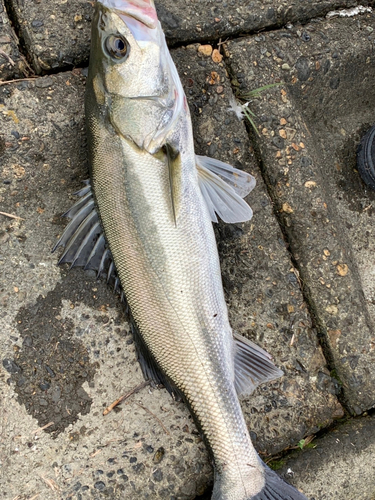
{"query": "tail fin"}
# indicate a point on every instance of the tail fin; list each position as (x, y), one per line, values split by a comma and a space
(273, 487)
(277, 489)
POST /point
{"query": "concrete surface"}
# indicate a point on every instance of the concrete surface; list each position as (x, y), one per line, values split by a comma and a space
(309, 129)
(342, 459)
(56, 33)
(50, 367)
(66, 350)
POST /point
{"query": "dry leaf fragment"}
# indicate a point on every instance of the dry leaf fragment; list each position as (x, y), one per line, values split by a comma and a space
(310, 184)
(216, 56)
(332, 309)
(334, 335)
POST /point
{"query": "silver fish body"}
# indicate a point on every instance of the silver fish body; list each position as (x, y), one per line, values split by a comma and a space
(153, 210)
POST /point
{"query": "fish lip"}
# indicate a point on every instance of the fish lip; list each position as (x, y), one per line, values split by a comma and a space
(142, 11)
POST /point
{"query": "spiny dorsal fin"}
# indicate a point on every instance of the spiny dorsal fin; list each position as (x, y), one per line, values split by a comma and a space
(252, 366)
(223, 188)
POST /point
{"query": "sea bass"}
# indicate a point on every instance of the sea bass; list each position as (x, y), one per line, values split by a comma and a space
(145, 219)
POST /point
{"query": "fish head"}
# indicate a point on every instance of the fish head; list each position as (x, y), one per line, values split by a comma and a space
(132, 74)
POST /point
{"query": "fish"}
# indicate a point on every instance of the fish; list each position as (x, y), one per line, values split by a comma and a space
(145, 220)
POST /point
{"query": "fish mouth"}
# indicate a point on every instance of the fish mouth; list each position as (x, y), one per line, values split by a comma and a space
(142, 11)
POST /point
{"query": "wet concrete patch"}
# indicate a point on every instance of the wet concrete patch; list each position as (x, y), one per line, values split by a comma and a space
(305, 130)
(56, 34)
(52, 364)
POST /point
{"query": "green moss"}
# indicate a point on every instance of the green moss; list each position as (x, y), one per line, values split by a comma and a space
(310, 446)
(336, 377)
(276, 464)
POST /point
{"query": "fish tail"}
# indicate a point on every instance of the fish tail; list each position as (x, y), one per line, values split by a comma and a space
(274, 488)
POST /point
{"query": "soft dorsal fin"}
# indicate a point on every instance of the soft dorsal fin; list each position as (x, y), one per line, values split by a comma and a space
(223, 188)
(252, 366)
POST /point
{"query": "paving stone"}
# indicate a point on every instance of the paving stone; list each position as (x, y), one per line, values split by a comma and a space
(68, 336)
(11, 63)
(339, 466)
(56, 33)
(309, 129)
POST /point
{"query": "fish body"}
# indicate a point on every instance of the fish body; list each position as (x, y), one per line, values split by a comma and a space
(148, 211)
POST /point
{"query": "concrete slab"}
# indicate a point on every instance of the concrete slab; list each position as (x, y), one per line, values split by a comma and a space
(56, 33)
(11, 62)
(338, 466)
(66, 351)
(309, 130)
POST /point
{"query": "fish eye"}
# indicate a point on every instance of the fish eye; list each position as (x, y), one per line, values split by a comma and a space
(117, 46)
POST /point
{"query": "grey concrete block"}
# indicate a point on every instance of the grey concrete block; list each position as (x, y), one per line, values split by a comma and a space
(338, 466)
(309, 129)
(56, 34)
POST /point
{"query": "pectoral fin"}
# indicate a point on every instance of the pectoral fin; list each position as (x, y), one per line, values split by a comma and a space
(173, 160)
(252, 366)
(223, 188)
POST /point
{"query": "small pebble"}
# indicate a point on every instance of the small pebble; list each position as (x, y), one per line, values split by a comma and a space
(206, 50)
(99, 485)
(216, 56)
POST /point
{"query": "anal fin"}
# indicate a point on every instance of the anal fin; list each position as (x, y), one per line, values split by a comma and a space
(252, 366)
